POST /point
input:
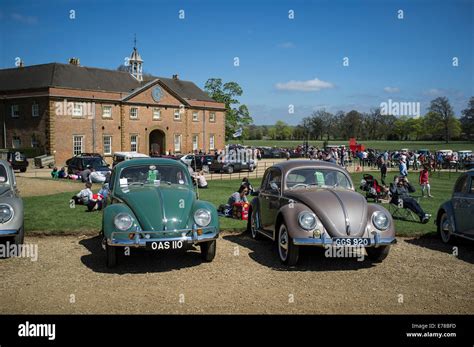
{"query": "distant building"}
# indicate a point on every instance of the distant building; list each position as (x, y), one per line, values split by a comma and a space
(67, 109)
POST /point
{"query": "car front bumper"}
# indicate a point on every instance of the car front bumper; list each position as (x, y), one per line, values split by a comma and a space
(189, 236)
(8, 233)
(323, 241)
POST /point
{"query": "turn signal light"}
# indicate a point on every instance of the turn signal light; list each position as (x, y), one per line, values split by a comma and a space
(199, 232)
(131, 236)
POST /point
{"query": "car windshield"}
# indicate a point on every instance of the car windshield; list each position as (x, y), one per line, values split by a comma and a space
(326, 178)
(3, 175)
(140, 175)
(94, 162)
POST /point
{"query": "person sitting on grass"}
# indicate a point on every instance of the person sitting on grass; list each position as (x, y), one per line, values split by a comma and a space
(401, 189)
(201, 181)
(425, 182)
(238, 196)
(62, 173)
(246, 182)
(54, 173)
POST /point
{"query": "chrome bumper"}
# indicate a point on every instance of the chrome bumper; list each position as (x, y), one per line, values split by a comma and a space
(375, 241)
(190, 236)
(7, 233)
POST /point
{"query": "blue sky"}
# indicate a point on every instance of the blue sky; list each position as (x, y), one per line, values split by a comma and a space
(282, 61)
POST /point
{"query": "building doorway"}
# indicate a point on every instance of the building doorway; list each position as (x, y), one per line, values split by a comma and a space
(157, 143)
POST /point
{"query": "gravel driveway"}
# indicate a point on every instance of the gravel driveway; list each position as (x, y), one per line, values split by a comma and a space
(419, 276)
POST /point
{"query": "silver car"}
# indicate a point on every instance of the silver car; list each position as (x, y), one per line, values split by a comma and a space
(11, 205)
(456, 216)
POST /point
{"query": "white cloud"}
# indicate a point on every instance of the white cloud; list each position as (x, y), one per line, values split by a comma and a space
(433, 92)
(314, 85)
(287, 44)
(391, 90)
(29, 20)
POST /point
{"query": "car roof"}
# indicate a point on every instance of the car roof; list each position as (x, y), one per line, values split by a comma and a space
(288, 165)
(149, 161)
(132, 154)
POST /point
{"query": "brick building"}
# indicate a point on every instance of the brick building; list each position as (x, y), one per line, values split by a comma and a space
(66, 109)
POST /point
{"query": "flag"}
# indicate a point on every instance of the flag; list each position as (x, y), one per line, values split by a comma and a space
(238, 133)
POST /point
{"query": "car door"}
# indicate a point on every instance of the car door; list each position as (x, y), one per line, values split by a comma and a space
(469, 203)
(460, 204)
(269, 198)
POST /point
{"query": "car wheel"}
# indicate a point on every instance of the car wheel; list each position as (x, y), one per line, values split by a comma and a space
(378, 254)
(444, 229)
(287, 251)
(208, 250)
(230, 169)
(20, 237)
(252, 224)
(23, 170)
(111, 256)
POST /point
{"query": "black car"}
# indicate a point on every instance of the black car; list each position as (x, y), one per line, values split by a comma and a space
(231, 166)
(202, 162)
(80, 162)
(16, 159)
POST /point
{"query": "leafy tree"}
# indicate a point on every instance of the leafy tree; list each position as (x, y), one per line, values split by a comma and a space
(467, 120)
(237, 115)
(443, 114)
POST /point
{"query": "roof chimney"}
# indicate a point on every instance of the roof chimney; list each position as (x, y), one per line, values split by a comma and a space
(74, 61)
(176, 77)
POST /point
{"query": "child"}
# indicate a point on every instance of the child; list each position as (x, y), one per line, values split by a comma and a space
(55, 173)
(85, 195)
(424, 182)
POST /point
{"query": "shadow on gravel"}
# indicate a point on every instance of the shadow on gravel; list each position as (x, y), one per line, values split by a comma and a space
(139, 260)
(465, 248)
(265, 253)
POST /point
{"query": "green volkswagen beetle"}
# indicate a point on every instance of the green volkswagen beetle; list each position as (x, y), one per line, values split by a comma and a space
(152, 204)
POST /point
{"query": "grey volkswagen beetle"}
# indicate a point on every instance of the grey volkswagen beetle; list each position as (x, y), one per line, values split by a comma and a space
(456, 216)
(313, 203)
(11, 205)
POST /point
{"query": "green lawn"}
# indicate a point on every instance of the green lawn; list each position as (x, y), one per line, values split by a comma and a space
(381, 145)
(52, 213)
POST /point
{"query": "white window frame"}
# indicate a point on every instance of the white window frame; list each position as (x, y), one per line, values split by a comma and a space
(78, 110)
(15, 111)
(177, 146)
(75, 144)
(132, 116)
(35, 110)
(195, 116)
(212, 117)
(195, 139)
(109, 137)
(134, 143)
(212, 141)
(156, 113)
(177, 114)
(104, 114)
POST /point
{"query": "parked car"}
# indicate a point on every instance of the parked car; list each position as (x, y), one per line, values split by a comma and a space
(455, 217)
(11, 205)
(80, 162)
(16, 159)
(313, 203)
(201, 162)
(121, 156)
(152, 204)
(231, 165)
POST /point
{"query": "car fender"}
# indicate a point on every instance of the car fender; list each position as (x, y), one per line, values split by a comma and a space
(17, 221)
(207, 206)
(289, 213)
(108, 218)
(448, 207)
(371, 208)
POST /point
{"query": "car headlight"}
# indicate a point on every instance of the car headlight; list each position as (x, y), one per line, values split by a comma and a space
(307, 220)
(380, 220)
(202, 217)
(123, 221)
(6, 213)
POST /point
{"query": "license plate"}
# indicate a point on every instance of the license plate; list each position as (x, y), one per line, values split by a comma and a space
(164, 245)
(351, 241)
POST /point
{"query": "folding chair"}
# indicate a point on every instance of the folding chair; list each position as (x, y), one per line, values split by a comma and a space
(399, 212)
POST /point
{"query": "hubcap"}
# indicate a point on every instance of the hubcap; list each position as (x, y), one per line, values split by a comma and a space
(283, 242)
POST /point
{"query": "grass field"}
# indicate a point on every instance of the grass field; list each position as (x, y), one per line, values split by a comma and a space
(51, 214)
(381, 145)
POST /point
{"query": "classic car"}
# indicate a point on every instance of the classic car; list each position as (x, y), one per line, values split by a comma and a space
(17, 160)
(121, 156)
(313, 203)
(152, 204)
(455, 217)
(11, 205)
(84, 160)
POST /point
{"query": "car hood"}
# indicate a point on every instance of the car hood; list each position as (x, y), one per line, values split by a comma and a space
(342, 212)
(160, 208)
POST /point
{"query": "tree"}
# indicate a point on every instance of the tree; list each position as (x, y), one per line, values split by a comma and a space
(441, 108)
(467, 120)
(283, 130)
(237, 115)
